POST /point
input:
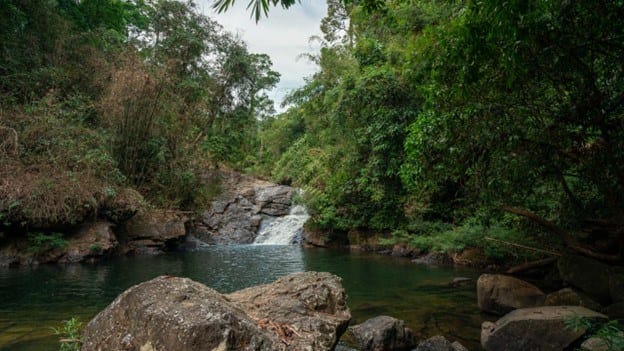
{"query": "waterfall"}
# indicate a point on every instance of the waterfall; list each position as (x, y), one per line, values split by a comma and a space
(283, 230)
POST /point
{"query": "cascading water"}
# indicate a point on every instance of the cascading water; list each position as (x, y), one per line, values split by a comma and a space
(283, 230)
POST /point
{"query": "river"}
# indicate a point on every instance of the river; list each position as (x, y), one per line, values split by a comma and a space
(33, 300)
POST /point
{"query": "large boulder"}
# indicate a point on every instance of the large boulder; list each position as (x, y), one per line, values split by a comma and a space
(383, 333)
(500, 294)
(308, 312)
(537, 328)
(169, 313)
(153, 231)
(308, 309)
(571, 297)
(439, 343)
(588, 275)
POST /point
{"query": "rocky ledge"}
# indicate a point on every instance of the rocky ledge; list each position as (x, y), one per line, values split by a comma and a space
(244, 206)
(302, 311)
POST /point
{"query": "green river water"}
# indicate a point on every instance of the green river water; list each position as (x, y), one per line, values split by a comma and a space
(33, 300)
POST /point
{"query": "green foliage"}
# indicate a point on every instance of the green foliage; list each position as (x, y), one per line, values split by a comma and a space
(69, 335)
(98, 96)
(611, 334)
(449, 111)
(40, 242)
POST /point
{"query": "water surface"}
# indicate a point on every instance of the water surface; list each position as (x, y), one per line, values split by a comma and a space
(33, 300)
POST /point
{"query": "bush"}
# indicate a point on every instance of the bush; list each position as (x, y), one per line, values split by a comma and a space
(69, 335)
(40, 242)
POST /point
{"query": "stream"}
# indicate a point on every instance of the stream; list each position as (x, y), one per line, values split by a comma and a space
(33, 300)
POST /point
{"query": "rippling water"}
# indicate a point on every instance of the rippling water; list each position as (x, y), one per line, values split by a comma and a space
(32, 300)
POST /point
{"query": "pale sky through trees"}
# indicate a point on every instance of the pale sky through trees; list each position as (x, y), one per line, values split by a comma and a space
(283, 35)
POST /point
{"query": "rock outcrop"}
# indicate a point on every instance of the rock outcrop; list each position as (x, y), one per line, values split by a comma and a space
(383, 333)
(500, 294)
(151, 232)
(89, 242)
(303, 311)
(238, 213)
(537, 328)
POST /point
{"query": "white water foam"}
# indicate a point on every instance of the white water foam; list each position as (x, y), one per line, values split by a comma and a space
(284, 230)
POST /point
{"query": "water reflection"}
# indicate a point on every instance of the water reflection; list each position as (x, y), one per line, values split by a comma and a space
(33, 300)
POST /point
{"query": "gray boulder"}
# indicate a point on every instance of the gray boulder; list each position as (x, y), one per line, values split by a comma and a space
(273, 200)
(500, 294)
(303, 311)
(383, 333)
(439, 343)
(571, 297)
(308, 310)
(153, 232)
(537, 328)
(169, 313)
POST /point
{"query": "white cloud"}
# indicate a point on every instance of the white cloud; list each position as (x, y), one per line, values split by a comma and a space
(283, 35)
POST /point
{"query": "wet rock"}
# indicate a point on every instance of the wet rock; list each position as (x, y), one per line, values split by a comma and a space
(153, 232)
(383, 333)
(434, 259)
(273, 200)
(571, 297)
(587, 274)
(312, 305)
(402, 251)
(243, 207)
(459, 281)
(537, 328)
(439, 343)
(303, 311)
(500, 294)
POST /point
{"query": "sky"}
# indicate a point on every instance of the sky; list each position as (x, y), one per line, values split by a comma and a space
(284, 35)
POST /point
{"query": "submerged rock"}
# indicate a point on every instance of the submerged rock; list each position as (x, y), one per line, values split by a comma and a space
(538, 328)
(500, 294)
(383, 333)
(439, 343)
(435, 259)
(303, 311)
